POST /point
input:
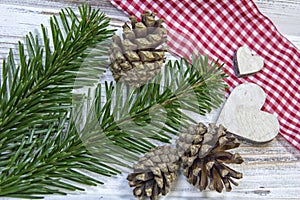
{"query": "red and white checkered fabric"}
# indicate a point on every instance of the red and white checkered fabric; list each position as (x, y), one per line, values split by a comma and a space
(218, 28)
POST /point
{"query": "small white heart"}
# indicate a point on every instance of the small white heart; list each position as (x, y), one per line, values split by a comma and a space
(242, 116)
(245, 63)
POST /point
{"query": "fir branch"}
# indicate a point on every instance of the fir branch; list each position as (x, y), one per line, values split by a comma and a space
(134, 119)
(43, 162)
(38, 153)
(39, 89)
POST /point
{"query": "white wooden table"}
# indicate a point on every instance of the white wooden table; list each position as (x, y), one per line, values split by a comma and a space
(271, 171)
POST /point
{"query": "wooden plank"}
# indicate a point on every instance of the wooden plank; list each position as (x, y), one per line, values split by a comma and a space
(284, 14)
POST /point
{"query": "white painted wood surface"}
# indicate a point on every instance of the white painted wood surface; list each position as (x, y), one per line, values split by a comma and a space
(271, 171)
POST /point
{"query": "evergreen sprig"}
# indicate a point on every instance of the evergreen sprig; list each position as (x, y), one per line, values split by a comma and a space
(40, 147)
(53, 163)
(134, 118)
(39, 88)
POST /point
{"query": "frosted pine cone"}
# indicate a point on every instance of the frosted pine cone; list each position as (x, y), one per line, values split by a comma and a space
(154, 173)
(203, 153)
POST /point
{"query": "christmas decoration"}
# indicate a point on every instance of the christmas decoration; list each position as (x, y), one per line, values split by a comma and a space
(203, 153)
(154, 172)
(245, 63)
(241, 114)
(137, 58)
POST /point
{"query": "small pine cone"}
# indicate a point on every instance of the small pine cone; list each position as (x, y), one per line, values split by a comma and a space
(203, 154)
(138, 55)
(154, 172)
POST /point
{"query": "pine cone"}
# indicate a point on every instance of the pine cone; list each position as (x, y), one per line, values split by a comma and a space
(154, 173)
(136, 58)
(203, 153)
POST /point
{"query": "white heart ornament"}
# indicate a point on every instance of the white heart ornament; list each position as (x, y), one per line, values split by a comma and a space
(242, 115)
(245, 63)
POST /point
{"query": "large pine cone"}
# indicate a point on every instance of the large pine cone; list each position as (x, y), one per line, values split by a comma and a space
(135, 59)
(154, 172)
(203, 153)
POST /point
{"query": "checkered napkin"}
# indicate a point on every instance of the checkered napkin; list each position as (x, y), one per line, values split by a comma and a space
(218, 28)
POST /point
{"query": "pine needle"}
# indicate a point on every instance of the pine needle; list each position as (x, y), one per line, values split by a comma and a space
(136, 119)
(41, 151)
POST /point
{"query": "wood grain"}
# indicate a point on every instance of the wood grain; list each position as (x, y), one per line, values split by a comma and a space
(271, 171)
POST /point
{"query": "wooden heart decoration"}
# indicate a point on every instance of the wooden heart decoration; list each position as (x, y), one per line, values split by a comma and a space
(242, 115)
(245, 63)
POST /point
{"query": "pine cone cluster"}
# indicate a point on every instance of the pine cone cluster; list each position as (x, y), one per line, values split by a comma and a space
(136, 57)
(154, 172)
(203, 153)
